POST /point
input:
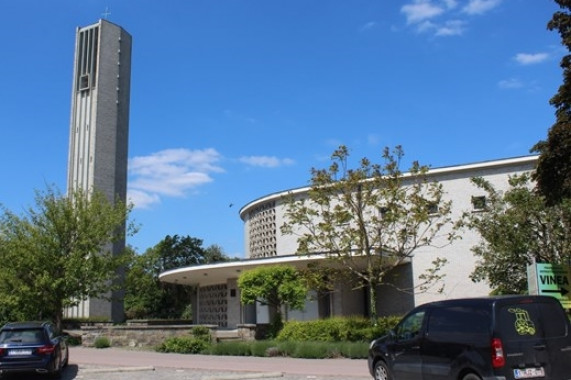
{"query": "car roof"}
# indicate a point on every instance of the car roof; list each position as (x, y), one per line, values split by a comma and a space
(498, 300)
(24, 325)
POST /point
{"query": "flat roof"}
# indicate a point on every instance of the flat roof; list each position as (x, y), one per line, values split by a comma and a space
(219, 273)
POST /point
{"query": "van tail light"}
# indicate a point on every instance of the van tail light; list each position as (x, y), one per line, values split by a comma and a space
(46, 350)
(498, 358)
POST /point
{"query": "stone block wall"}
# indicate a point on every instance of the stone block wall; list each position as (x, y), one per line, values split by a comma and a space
(152, 336)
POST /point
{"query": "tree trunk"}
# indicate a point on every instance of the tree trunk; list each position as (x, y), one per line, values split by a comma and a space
(58, 319)
(373, 301)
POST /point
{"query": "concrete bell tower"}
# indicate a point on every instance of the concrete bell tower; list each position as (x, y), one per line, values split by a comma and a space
(99, 131)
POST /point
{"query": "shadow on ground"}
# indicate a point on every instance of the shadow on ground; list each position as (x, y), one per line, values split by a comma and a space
(69, 373)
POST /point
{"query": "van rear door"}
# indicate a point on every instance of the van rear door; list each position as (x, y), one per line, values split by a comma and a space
(534, 332)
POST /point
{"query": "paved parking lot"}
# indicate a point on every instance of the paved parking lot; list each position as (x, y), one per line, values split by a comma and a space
(123, 364)
(74, 372)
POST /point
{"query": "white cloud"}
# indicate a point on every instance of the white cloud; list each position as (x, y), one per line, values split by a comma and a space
(170, 172)
(478, 7)
(421, 10)
(530, 59)
(450, 4)
(451, 28)
(508, 84)
(368, 26)
(437, 16)
(142, 199)
(266, 161)
(426, 26)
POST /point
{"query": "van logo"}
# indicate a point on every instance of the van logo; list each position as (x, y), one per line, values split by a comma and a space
(523, 324)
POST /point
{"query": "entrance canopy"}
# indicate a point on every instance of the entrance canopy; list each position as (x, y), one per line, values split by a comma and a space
(219, 273)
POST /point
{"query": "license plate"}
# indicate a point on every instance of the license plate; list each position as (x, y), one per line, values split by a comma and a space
(528, 373)
(19, 352)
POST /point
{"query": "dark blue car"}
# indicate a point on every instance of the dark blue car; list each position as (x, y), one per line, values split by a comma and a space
(32, 347)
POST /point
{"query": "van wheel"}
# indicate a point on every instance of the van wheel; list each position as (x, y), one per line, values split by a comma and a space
(382, 371)
(471, 376)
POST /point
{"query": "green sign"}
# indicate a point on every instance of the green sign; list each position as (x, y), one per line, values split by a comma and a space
(554, 280)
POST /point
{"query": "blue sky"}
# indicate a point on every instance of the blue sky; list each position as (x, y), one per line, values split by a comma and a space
(232, 100)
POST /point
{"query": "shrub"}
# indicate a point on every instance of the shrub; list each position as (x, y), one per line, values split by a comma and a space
(73, 340)
(202, 333)
(102, 342)
(269, 348)
(183, 345)
(323, 350)
(231, 349)
(264, 348)
(354, 350)
(315, 350)
(337, 329)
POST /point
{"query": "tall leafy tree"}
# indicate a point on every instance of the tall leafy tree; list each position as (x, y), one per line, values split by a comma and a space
(274, 286)
(372, 218)
(146, 296)
(517, 229)
(57, 253)
(553, 175)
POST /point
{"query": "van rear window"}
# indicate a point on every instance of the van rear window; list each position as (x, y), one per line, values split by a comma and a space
(531, 321)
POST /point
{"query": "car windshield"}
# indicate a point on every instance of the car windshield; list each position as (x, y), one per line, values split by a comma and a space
(28, 336)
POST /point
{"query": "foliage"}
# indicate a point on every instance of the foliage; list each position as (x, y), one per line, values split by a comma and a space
(274, 286)
(183, 345)
(58, 253)
(553, 175)
(73, 340)
(198, 343)
(307, 350)
(202, 333)
(232, 348)
(146, 296)
(517, 229)
(371, 219)
(102, 342)
(337, 329)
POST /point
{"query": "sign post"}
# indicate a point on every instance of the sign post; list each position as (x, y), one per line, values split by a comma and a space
(551, 280)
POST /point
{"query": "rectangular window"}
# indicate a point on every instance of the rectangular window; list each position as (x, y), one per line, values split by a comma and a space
(86, 58)
(432, 208)
(84, 82)
(479, 203)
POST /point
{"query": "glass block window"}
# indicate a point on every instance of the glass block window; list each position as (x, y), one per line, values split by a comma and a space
(263, 231)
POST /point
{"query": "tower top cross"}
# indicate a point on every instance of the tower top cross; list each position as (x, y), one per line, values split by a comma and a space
(106, 13)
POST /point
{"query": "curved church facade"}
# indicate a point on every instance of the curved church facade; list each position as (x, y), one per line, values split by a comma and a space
(217, 299)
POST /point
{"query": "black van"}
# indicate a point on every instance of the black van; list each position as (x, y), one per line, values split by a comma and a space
(492, 338)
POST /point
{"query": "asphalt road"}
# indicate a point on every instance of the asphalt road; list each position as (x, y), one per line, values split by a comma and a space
(125, 364)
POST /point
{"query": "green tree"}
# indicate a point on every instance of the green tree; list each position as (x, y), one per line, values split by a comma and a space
(146, 296)
(553, 174)
(517, 228)
(215, 254)
(143, 292)
(371, 219)
(57, 254)
(274, 286)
